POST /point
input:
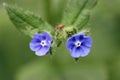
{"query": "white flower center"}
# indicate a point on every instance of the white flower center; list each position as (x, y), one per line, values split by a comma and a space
(43, 43)
(77, 43)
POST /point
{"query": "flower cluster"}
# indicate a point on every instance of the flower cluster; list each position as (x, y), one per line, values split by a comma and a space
(78, 44)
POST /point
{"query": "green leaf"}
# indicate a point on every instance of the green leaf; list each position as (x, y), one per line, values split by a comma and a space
(26, 21)
(82, 19)
(77, 12)
(84, 16)
(91, 4)
(72, 10)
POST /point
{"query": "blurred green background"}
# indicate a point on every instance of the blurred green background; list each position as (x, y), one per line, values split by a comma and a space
(18, 62)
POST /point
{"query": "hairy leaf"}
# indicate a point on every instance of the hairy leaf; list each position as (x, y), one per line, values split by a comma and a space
(72, 9)
(82, 19)
(77, 12)
(26, 21)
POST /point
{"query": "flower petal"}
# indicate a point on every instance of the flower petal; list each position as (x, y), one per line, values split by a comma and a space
(85, 51)
(87, 41)
(80, 51)
(35, 46)
(79, 37)
(34, 41)
(71, 39)
(43, 51)
(76, 52)
(38, 36)
(70, 45)
(47, 36)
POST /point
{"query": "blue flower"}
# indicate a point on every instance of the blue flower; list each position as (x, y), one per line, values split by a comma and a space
(41, 43)
(79, 45)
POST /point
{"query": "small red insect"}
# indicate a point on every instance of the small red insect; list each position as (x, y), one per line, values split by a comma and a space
(59, 27)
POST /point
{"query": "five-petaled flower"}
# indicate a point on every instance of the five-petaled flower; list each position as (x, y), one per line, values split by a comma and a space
(79, 45)
(41, 43)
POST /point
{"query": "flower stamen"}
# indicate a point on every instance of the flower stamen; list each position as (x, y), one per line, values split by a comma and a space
(43, 43)
(77, 43)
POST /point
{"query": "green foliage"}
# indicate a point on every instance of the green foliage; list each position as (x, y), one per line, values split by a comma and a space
(82, 19)
(72, 10)
(17, 59)
(77, 12)
(27, 22)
